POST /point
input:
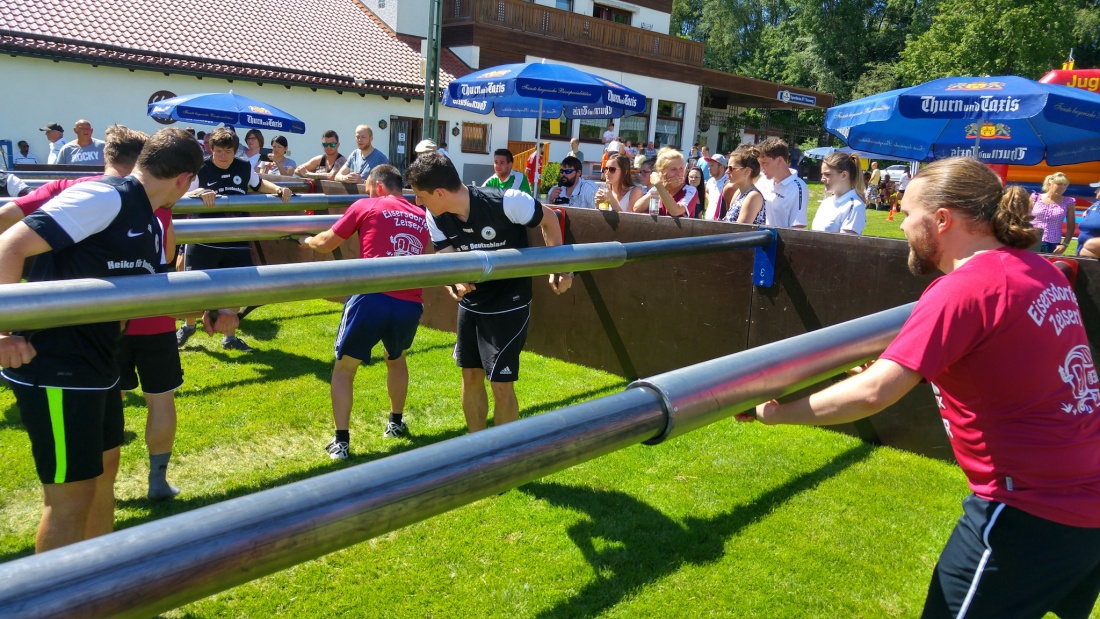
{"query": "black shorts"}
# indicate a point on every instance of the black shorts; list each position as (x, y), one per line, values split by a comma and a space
(206, 258)
(372, 318)
(492, 342)
(69, 429)
(156, 359)
(1003, 562)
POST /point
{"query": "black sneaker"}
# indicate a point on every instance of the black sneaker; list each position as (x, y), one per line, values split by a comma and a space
(183, 334)
(337, 450)
(395, 430)
(235, 343)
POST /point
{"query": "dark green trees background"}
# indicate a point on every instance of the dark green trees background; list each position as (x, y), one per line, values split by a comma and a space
(853, 48)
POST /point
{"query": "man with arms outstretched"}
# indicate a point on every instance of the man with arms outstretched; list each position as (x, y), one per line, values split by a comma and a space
(387, 225)
(492, 316)
(1025, 433)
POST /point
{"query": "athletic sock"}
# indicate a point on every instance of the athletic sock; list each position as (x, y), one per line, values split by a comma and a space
(159, 488)
(395, 417)
(343, 436)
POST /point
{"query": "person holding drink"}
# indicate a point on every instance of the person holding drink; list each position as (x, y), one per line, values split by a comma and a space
(618, 193)
(670, 193)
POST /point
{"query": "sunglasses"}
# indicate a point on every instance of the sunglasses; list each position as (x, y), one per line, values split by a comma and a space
(737, 167)
(330, 144)
(567, 171)
(611, 169)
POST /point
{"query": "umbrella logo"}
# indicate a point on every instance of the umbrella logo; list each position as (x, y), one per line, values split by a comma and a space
(976, 86)
(492, 74)
(259, 110)
(988, 131)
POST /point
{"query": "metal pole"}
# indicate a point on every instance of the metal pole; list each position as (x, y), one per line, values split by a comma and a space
(265, 203)
(250, 228)
(147, 569)
(431, 69)
(37, 305)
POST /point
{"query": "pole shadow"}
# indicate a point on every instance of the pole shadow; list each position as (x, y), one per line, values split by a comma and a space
(647, 545)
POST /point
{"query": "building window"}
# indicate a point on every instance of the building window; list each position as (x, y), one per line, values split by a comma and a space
(618, 16)
(592, 129)
(475, 137)
(564, 5)
(556, 128)
(636, 128)
(670, 124)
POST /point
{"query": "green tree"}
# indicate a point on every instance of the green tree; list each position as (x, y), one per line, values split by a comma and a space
(990, 37)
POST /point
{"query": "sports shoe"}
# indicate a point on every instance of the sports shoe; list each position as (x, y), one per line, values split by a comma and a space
(395, 430)
(235, 343)
(183, 334)
(337, 450)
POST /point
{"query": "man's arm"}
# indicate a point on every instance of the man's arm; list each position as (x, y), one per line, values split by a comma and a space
(345, 175)
(853, 399)
(16, 245)
(551, 236)
(267, 186)
(324, 242)
(305, 170)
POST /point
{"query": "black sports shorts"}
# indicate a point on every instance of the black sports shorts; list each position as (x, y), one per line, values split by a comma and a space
(492, 342)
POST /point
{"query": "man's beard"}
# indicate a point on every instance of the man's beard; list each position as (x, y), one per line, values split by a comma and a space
(924, 252)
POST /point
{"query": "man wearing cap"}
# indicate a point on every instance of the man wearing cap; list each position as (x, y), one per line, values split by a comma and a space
(717, 166)
(425, 146)
(24, 156)
(503, 174)
(85, 150)
(53, 135)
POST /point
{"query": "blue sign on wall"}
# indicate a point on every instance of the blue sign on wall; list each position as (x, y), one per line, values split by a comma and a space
(787, 96)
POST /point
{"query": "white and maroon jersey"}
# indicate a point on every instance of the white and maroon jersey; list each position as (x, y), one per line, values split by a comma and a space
(1001, 341)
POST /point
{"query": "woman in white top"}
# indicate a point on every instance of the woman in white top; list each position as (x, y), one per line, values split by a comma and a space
(842, 210)
(253, 144)
(618, 190)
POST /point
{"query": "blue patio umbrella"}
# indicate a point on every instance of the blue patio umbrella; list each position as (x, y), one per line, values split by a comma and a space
(997, 119)
(540, 89)
(216, 108)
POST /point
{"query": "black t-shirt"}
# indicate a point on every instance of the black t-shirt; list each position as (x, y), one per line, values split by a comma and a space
(236, 180)
(498, 219)
(101, 228)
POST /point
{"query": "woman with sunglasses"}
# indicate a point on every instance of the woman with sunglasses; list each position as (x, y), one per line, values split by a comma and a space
(618, 191)
(278, 162)
(745, 200)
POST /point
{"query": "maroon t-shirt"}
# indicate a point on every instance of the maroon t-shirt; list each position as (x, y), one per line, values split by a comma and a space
(387, 226)
(1001, 341)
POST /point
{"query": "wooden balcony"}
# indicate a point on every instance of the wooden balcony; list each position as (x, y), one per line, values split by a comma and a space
(562, 28)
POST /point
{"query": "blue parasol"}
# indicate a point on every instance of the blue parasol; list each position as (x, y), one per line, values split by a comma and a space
(540, 89)
(216, 108)
(997, 119)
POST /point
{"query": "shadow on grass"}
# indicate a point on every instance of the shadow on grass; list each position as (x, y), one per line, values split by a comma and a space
(11, 418)
(154, 510)
(576, 398)
(630, 544)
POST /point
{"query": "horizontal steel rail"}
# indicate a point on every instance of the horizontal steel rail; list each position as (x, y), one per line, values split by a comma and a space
(265, 203)
(150, 568)
(250, 228)
(38, 305)
(300, 185)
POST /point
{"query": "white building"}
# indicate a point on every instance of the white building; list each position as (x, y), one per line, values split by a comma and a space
(339, 63)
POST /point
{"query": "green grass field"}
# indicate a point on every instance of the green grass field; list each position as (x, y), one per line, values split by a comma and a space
(733, 520)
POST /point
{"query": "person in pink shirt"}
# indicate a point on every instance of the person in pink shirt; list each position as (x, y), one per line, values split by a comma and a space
(1000, 339)
(387, 225)
(1051, 209)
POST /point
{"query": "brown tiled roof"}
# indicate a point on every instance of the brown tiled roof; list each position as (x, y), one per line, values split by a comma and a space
(319, 43)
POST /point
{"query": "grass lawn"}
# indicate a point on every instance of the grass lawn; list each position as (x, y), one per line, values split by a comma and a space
(733, 520)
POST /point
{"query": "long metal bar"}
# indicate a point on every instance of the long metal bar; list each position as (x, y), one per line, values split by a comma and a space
(38, 305)
(156, 566)
(250, 228)
(262, 203)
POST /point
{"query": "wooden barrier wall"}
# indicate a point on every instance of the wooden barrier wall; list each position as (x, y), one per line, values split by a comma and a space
(655, 316)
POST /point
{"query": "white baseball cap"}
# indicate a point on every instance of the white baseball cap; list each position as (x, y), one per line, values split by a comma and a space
(719, 159)
(1096, 184)
(426, 146)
